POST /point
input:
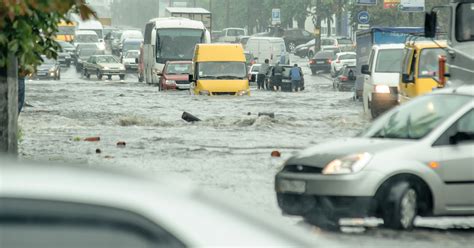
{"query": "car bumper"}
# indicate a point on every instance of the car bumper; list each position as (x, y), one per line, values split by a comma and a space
(320, 67)
(131, 66)
(382, 102)
(106, 73)
(347, 196)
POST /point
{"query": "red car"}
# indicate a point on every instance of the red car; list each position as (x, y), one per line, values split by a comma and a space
(175, 76)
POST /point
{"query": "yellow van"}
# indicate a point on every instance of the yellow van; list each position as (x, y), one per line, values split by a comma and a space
(219, 69)
(420, 68)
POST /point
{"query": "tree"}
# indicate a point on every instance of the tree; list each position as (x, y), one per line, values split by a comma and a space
(28, 30)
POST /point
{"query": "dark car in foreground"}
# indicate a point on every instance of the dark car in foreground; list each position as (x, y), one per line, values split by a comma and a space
(49, 69)
(57, 205)
(175, 76)
(415, 160)
(345, 79)
(321, 61)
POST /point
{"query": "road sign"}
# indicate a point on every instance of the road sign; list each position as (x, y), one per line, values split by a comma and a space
(366, 2)
(276, 16)
(412, 5)
(363, 17)
(363, 26)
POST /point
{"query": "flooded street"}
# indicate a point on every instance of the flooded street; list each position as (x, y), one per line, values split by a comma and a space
(228, 151)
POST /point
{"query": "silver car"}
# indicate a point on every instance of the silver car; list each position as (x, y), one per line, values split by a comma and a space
(80, 206)
(416, 160)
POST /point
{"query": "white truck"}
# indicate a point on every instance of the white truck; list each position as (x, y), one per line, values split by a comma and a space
(170, 39)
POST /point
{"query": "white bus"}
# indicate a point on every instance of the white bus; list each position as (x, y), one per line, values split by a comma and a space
(170, 39)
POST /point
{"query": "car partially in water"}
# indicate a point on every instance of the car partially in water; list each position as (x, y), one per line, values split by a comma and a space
(415, 160)
(49, 69)
(175, 76)
(103, 65)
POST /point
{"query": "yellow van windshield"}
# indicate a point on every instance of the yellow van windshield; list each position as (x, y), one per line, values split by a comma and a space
(222, 70)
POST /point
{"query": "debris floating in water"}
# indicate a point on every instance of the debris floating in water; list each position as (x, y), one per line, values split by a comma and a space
(92, 139)
(189, 117)
(276, 154)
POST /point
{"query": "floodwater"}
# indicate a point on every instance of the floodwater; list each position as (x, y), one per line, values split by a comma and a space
(228, 151)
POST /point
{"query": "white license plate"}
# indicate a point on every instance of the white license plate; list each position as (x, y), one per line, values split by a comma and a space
(291, 186)
(320, 62)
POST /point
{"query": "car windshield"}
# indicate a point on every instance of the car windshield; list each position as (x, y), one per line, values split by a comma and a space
(47, 61)
(417, 118)
(132, 54)
(177, 44)
(178, 69)
(428, 65)
(222, 70)
(389, 60)
(464, 20)
(256, 68)
(131, 46)
(86, 38)
(106, 59)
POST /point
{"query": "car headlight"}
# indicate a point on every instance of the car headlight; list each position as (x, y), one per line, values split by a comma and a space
(347, 165)
(170, 82)
(105, 68)
(382, 89)
(101, 46)
(52, 70)
(242, 92)
(204, 93)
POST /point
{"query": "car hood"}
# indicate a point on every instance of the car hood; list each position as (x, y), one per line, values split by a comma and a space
(320, 155)
(390, 79)
(45, 67)
(113, 65)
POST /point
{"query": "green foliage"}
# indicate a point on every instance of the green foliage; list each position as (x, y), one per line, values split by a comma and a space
(29, 26)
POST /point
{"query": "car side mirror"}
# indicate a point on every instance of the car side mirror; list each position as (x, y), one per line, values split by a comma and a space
(191, 78)
(460, 137)
(430, 24)
(407, 79)
(365, 70)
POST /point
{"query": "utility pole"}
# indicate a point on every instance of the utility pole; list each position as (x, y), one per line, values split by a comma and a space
(227, 13)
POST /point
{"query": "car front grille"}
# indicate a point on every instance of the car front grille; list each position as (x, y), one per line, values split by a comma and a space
(223, 93)
(302, 169)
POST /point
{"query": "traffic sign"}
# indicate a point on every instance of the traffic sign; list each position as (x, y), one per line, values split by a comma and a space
(276, 16)
(363, 17)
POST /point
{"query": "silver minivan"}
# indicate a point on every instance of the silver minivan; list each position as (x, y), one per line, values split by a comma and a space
(415, 160)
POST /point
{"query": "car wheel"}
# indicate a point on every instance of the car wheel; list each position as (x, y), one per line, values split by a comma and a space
(109, 77)
(99, 75)
(292, 46)
(122, 77)
(88, 76)
(400, 208)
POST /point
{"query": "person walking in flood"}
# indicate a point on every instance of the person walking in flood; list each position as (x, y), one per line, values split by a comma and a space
(277, 77)
(262, 74)
(295, 75)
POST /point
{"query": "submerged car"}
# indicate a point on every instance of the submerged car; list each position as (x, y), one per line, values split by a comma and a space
(415, 160)
(342, 59)
(84, 54)
(46, 205)
(175, 76)
(321, 61)
(345, 79)
(49, 69)
(67, 54)
(103, 65)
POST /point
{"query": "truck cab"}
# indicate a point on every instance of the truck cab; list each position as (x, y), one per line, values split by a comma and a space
(420, 68)
(219, 69)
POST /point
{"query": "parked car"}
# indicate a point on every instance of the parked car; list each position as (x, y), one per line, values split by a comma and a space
(253, 73)
(381, 78)
(342, 59)
(303, 50)
(103, 65)
(321, 62)
(415, 160)
(130, 60)
(50, 205)
(231, 35)
(49, 69)
(175, 76)
(83, 55)
(345, 79)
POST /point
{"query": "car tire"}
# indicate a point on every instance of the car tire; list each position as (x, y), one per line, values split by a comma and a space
(88, 76)
(122, 77)
(400, 207)
(109, 77)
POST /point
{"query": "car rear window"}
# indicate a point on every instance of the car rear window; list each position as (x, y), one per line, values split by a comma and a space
(344, 41)
(324, 55)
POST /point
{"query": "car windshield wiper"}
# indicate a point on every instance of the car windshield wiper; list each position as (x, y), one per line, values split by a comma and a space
(208, 77)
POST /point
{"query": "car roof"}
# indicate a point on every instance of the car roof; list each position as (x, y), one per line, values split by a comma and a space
(167, 201)
(427, 44)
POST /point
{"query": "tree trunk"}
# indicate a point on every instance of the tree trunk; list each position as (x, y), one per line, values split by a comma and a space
(317, 43)
(9, 107)
(328, 20)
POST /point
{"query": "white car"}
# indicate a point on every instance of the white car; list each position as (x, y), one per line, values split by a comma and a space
(342, 59)
(382, 75)
(130, 58)
(45, 205)
(253, 73)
